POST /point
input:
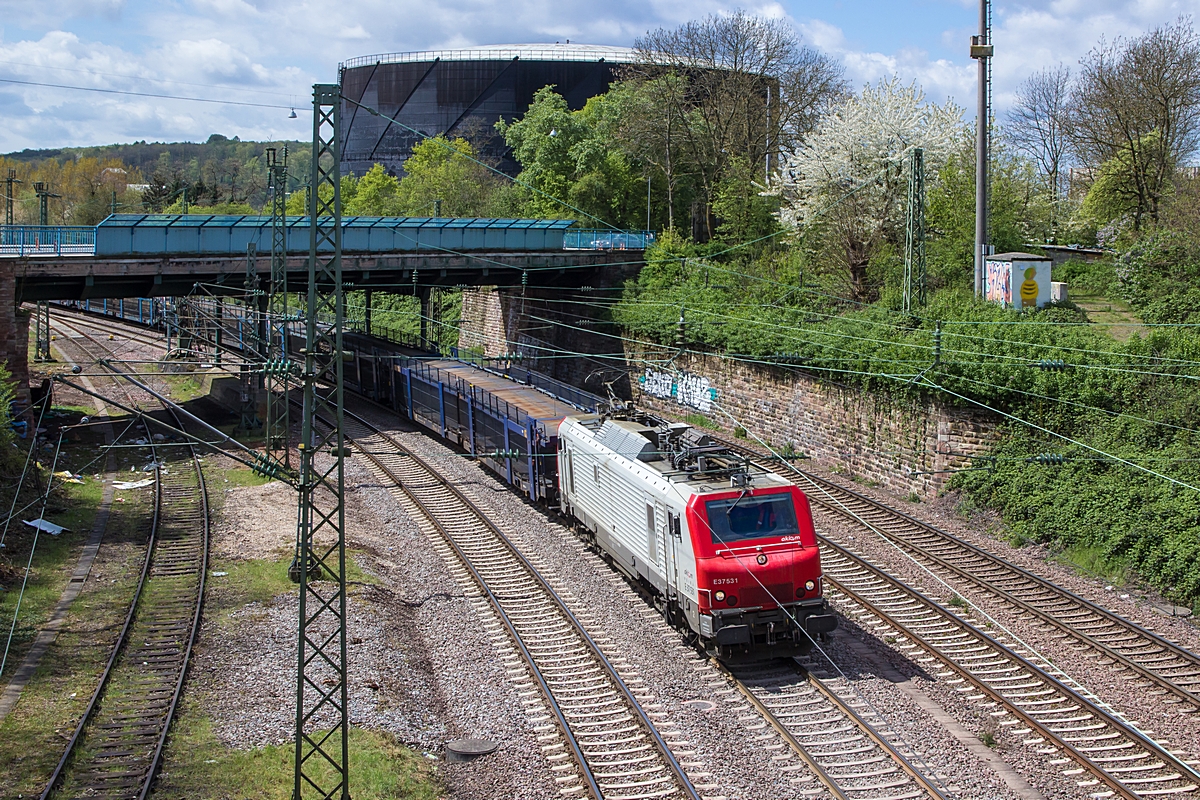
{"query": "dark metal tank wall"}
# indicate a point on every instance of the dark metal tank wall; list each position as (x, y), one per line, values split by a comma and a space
(454, 98)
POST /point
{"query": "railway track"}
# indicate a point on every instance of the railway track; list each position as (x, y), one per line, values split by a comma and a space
(117, 745)
(1159, 664)
(1106, 755)
(596, 734)
(1032, 697)
(846, 744)
(1059, 717)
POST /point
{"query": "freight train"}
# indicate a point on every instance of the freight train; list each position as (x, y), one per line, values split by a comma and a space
(724, 548)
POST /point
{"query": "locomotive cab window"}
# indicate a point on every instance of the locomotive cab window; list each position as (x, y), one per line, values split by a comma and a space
(740, 518)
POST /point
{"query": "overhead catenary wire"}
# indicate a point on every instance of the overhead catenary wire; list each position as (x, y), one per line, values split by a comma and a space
(154, 95)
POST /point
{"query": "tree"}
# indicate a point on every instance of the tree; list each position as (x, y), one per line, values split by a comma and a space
(541, 142)
(1037, 122)
(848, 183)
(446, 174)
(1019, 212)
(578, 162)
(732, 85)
(1138, 100)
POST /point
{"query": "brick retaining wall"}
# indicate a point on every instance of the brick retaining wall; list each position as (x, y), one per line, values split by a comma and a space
(904, 445)
(14, 333)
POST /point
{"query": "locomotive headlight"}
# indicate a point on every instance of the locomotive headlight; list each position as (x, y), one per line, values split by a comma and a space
(809, 586)
(719, 595)
(762, 559)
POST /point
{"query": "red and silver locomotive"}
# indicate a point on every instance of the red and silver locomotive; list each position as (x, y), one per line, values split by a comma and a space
(726, 548)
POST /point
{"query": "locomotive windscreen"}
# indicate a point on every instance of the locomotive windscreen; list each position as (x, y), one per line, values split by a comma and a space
(737, 519)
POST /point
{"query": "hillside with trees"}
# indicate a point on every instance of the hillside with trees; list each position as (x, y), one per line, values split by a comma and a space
(224, 175)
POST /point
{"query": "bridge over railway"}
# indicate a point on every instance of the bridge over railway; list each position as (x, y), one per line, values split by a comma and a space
(170, 255)
(164, 255)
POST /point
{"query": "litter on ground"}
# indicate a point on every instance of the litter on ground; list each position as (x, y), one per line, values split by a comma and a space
(43, 525)
(142, 484)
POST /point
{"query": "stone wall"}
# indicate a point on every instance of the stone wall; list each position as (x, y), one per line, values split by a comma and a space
(554, 331)
(905, 446)
(14, 332)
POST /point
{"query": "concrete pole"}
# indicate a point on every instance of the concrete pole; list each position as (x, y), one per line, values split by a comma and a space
(981, 51)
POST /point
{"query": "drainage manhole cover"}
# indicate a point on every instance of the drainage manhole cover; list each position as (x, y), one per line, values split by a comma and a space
(463, 749)
(700, 705)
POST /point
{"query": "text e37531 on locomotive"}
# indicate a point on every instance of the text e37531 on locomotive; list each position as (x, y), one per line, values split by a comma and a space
(726, 548)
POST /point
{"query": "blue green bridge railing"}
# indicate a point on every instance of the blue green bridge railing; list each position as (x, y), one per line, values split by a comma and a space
(124, 235)
(47, 240)
(584, 239)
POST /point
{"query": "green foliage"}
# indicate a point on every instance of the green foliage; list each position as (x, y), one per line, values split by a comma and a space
(1127, 185)
(215, 208)
(577, 160)
(992, 365)
(1160, 276)
(1113, 514)
(374, 195)
(1088, 278)
(1020, 212)
(447, 173)
(745, 214)
(7, 395)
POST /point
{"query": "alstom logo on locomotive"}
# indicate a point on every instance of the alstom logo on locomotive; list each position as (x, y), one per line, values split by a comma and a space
(725, 548)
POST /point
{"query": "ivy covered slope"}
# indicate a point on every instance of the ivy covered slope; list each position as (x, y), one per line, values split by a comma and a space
(1122, 414)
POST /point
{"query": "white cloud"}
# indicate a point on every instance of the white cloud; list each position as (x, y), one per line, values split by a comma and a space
(271, 51)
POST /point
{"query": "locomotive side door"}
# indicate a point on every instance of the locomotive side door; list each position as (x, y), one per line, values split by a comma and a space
(663, 549)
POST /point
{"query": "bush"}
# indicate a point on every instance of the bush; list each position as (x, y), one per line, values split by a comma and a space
(993, 358)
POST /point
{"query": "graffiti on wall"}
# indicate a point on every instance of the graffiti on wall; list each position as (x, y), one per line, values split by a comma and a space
(693, 391)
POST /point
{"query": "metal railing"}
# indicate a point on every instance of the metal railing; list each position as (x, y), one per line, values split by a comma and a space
(47, 240)
(525, 52)
(69, 240)
(586, 239)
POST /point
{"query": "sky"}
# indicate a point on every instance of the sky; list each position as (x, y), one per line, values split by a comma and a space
(270, 52)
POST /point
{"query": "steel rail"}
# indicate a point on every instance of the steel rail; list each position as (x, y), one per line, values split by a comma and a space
(979, 637)
(868, 730)
(606, 665)
(122, 637)
(992, 587)
(875, 736)
(153, 555)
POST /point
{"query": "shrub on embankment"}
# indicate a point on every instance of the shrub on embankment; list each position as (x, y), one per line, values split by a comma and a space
(1134, 401)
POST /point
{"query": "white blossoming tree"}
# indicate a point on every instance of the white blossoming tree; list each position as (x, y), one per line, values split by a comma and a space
(848, 181)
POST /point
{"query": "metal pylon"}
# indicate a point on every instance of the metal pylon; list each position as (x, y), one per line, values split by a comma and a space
(278, 373)
(251, 374)
(914, 234)
(41, 338)
(322, 721)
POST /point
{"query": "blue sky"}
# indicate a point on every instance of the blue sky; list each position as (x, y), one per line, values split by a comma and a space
(272, 51)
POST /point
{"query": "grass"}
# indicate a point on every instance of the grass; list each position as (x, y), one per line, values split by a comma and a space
(701, 421)
(74, 506)
(958, 602)
(1116, 316)
(235, 476)
(987, 738)
(1091, 560)
(254, 581)
(260, 581)
(197, 766)
(33, 735)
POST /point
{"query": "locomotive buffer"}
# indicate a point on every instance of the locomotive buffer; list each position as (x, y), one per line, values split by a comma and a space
(726, 548)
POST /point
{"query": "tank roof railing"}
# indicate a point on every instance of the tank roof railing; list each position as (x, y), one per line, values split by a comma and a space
(504, 52)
